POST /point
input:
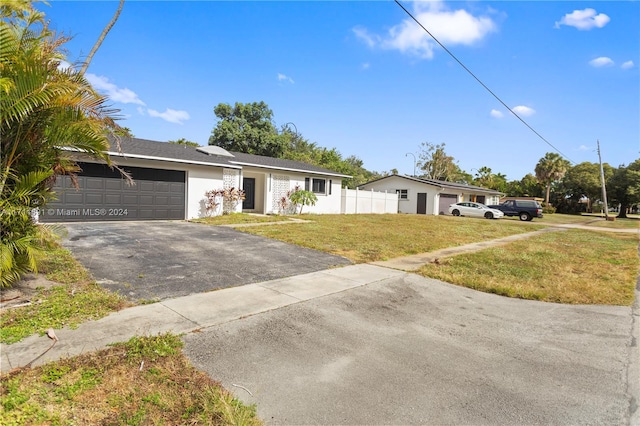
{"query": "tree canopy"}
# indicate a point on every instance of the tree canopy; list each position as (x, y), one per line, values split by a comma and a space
(47, 109)
(436, 164)
(550, 168)
(247, 128)
(624, 187)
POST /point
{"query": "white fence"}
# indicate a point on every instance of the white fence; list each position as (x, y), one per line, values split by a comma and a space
(362, 202)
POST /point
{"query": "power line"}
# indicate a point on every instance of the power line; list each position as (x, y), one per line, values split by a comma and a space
(481, 83)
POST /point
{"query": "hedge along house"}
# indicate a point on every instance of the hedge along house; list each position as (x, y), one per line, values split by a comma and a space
(170, 182)
(427, 196)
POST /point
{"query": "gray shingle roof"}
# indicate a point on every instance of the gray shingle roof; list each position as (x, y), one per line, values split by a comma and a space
(443, 184)
(143, 148)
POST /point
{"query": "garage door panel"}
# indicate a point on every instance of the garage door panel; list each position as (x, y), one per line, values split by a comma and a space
(113, 199)
(73, 197)
(145, 186)
(130, 199)
(104, 195)
(94, 183)
(113, 184)
(162, 187)
(94, 198)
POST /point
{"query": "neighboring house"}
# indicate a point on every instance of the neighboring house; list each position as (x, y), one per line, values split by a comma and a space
(426, 196)
(171, 181)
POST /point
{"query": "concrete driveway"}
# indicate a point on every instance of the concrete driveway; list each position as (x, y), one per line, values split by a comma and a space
(411, 350)
(160, 260)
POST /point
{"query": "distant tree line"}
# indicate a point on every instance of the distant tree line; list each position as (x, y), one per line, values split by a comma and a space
(249, 128)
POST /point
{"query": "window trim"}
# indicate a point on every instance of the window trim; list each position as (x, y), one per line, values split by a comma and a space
(400, 193)
(324, 186)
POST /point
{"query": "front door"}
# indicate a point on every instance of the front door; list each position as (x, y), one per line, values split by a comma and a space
(422, 203)
(249, 186)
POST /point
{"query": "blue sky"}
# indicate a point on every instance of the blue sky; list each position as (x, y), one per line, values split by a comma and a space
(362, 77)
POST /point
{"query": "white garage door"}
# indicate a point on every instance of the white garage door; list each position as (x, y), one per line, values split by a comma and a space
(445, 201)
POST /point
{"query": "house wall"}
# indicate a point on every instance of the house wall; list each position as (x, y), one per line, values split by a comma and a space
(273, 185)
(200, 180)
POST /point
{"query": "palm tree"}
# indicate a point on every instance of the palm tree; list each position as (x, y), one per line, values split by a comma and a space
(46, 111)
(551, 168)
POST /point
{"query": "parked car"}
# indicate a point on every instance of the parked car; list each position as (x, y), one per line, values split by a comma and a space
(474, 210)
(524, 209)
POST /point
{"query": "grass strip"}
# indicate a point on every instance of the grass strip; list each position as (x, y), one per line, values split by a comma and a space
(572, 266)
(239, 218)
(367, 238)
(146, 380)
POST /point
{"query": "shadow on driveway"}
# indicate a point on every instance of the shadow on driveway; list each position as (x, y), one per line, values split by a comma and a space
(161, 260)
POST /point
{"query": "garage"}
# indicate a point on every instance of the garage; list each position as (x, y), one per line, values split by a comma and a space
(102, 194)
(445, 201)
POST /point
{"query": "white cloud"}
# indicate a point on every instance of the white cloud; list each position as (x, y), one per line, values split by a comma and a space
(282, 77)
(496, 114)
(602, 61)
(170, 115)
(584, 148)
(523, 111)
(116, 94)
(366, 66)
(584, 20)
(450, 27)
(627, 65)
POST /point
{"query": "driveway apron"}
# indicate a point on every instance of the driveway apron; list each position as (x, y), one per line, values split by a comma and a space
(160, 260)
(412, 350)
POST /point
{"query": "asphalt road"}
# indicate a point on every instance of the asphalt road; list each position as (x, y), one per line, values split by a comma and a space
(157, 260)
(410, 350)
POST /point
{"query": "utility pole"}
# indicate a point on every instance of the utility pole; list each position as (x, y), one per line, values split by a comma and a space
(604, 189)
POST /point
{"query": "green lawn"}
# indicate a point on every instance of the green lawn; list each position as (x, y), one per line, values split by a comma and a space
(572, 266)
(367, 238)
(566, 266)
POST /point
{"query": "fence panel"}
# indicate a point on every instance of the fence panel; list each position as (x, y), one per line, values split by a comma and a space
(355, 201)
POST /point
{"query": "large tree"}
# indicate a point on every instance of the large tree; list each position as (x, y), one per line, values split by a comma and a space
(436, 164)
(248, 128)
(46, 111)
(551, 168)
(623, 187)
(583, 181)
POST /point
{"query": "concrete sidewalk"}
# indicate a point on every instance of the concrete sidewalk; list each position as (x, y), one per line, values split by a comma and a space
(190, 313)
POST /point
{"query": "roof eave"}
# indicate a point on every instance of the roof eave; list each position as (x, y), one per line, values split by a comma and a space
(289, 169)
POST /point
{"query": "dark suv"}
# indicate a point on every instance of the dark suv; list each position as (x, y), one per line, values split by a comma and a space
(524, 209)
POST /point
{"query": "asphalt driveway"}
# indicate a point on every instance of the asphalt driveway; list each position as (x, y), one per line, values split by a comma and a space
(411, 350)
(160, 260)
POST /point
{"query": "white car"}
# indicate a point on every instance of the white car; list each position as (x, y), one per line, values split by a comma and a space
(474, 210)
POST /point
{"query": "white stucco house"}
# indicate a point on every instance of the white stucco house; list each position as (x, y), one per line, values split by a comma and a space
(426, 196)
(171, 181)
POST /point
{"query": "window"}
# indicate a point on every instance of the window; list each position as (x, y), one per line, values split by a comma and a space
(318, 186)
(404, 193)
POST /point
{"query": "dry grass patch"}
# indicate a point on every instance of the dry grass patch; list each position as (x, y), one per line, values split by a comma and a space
(146, 381)
(572, 266)
(630, 223)
(77, 299)
(367, 238)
